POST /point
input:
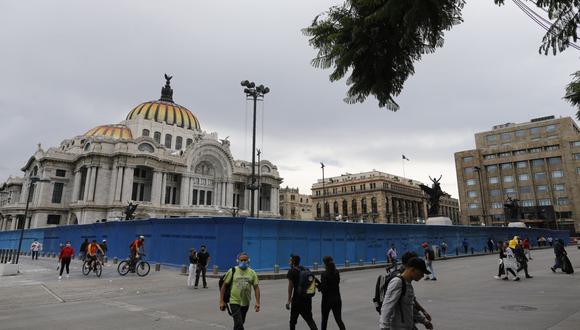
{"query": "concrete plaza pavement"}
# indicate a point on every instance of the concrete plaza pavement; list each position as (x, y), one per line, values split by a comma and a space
(466, 296)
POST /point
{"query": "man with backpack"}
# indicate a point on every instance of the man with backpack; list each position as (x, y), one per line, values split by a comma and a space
(236, 290)
(397, 309)
(301, 289)
(429, 257)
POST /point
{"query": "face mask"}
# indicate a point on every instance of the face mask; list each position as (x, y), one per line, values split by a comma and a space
(243, 265)
(68, 245)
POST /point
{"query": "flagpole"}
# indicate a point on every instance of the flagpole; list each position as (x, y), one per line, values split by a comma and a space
(403, 161)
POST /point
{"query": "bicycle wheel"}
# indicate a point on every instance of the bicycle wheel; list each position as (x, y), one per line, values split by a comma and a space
(123, 268)
(86, 268)
(99, 269)
(143, 268)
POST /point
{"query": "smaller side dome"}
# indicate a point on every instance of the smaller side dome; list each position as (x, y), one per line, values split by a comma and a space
(111, 131)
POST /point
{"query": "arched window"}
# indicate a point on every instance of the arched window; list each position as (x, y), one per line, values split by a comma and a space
(374, 207)
(178, 143)
(146, 147)
(87, 146)
(354, 208)
(335, 208)
(168, 139)
(363, 205)
(318, 215)
(35, 171)
(189, 141)
(326, 209)
(344, 207)
(281, 211)
(157, 137)
(145, 132)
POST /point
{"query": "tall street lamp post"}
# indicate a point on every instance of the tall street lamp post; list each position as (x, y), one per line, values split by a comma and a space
(323, 193)
(259, 184)
(482, 198)
(33, 180)
(254, 93)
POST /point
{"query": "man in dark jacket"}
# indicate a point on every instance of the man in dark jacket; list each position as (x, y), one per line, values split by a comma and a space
(559, 252)
(83, 249)
(522, 260)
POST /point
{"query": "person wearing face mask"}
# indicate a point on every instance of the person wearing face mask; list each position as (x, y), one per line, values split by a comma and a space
(241, 279)
(202, 262)
(65, 257)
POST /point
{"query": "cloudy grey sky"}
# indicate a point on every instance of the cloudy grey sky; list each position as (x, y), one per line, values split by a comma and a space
(68, 66)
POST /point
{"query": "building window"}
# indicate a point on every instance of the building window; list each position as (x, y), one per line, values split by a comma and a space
(472, 205)
(188, 142)
(344, 208)
(194, 197)
(335, 207)
(559, 187)
(505, 154)
(525, 190)
(145, 132)
(506, 166)
(554, 160)
(472, 194)
(522, 164)
(528, 203)
(537, 162)
(542, 188)
(60, 173)
(562, 201)
(540, 176)
(467, 159)
(374, 208)
(510, 191)
(468, 170)
(146, 147)
(534, 150)
(524, 177)
(57, 192)
(363, 205)
(557, 174)
(494, 193)
(551, 128)
(178, 143)
(491, 138)
(508, 179)
(521, 133)
(470, 182)
(544, 202)
(552, 148)
(490, 156)
(506, 136)
(201, 197)
(208, 198)
(491, 168)
(520, 152)
(53, 219)
(496, 205)
(577, 170)
(157, 137)
(575, 144)
(353, 207)
(168, 139)
(577, 156)
(318, 215)
(534, 130)
(493, 180)
(292, 197)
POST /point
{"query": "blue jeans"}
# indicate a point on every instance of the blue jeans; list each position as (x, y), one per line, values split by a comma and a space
(430, 268)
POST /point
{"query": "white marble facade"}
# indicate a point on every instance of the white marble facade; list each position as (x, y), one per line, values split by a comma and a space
(158, 157)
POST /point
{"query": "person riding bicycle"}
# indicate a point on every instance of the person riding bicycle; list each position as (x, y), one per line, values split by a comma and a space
(92, 250)
(137, 247)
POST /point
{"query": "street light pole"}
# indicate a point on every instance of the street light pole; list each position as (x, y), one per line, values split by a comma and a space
(323, 193)
(483, 206)
(254, 93)
(259, 185)
(33, 180)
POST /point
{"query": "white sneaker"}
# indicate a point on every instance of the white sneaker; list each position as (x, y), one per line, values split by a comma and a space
(497, 277)
(60, 278)
(67, 276)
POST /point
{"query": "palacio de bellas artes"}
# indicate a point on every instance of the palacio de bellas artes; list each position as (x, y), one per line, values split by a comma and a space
(158, 159)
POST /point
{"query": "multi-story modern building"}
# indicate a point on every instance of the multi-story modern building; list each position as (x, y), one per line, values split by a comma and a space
(375, 197)
(294, 205)
(536, 163)
(158, 157)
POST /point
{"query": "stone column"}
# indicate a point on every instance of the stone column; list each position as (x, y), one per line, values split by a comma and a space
(425, 210)
(163, 184)
(113, 186)
(92, 183)
(247, 199)
(273, 199)
(127, 185)
(218, 193)
(76, 186)
(87, 183)
(156, 188)
(183, 191)
(229, 194)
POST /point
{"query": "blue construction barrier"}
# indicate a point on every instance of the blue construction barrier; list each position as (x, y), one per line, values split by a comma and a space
(269, 242)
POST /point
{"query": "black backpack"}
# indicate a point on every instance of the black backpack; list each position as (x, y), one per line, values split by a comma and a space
(306, 283)
(381, 290)
(228, 290)
(431, 254)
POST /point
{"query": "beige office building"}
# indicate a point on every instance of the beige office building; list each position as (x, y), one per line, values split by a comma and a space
(294, 205)
(375, 197)
(537, 163)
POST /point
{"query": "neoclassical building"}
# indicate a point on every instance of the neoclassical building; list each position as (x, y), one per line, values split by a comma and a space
(158, 157)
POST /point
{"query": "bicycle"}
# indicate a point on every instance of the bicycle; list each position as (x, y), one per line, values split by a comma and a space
(142, 267)
(87, 267)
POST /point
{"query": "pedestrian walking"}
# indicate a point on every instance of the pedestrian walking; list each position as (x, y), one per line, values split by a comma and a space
(560, 252)
(521, 259)
(550, 241)
(490, 245)
(502, 257)
(397, 310)
(202, 262)
(240, 281)
(510, 263)
(83, 249)
(444, 249)
(330, 289)
(35, 248)
(392, 256)
(465, 245)
(65, 256)
(527, 248)
(429, 256)
(192, 267)
(300, 279)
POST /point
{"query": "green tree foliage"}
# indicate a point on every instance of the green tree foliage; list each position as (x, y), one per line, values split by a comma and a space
(377, 42)
(573, 92)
